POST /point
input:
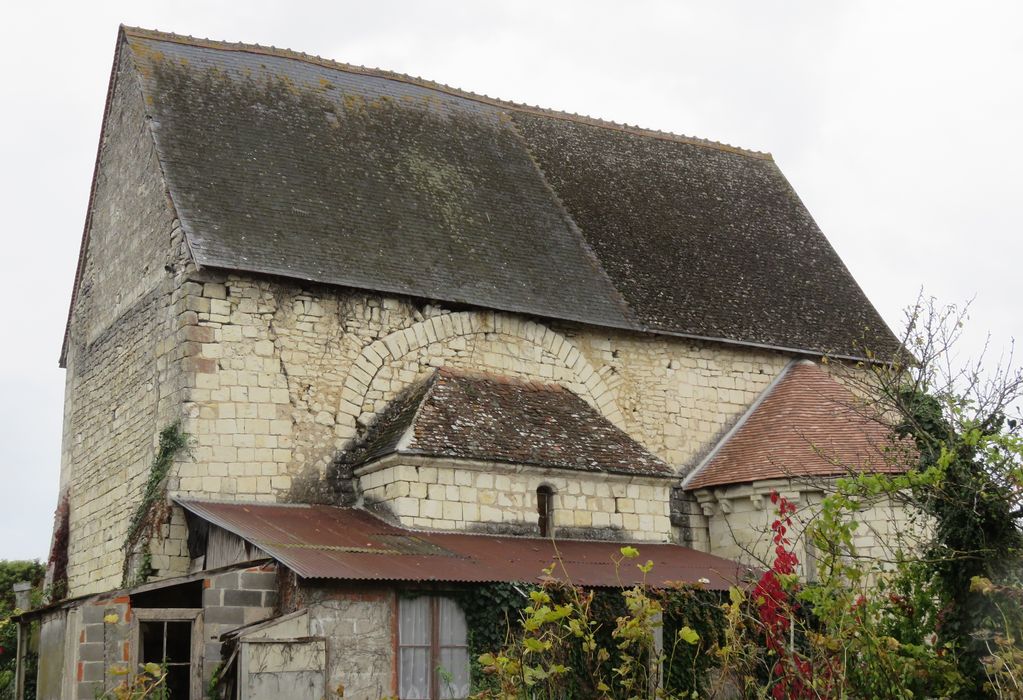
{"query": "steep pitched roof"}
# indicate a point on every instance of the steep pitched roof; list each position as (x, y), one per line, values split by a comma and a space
(287, 164)
(805, 424)
(494, 418)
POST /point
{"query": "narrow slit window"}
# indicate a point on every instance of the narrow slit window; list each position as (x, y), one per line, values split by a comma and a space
(545, 510)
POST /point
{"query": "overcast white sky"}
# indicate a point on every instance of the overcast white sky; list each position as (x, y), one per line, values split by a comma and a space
(898, 123)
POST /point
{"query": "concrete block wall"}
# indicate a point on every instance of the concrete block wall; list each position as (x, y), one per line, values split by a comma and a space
(233, 599)
(103, 645)
(494, 497)
(229, 600)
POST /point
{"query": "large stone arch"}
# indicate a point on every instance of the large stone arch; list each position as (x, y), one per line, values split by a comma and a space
(470, 326)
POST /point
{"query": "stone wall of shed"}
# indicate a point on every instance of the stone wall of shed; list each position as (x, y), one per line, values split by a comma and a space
(501, 498)
(126, 345)
(360, 626)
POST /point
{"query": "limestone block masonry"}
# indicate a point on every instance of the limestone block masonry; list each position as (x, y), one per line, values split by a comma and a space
(289, 375)
(126, 347)
(271, 378)
(737, 520)
(274, 377)
(497, 497)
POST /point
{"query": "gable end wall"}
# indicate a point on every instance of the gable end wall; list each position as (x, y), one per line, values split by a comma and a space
(124, 354)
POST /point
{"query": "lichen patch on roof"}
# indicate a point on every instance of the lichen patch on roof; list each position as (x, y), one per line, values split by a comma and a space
(279, 166)
(494, 418)
(807, 425)
(704, 242)
(156, 35)
(285, 164)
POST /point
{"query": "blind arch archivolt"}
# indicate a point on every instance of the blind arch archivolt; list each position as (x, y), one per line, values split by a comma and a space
(469, 340)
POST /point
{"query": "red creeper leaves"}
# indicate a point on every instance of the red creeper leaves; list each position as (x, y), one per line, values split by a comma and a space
(776, 606)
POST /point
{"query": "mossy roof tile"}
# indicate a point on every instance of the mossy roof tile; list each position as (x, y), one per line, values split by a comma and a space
(492, 418)
(286, 164)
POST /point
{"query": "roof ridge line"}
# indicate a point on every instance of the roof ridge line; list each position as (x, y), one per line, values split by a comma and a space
(157, 35)
(719, 445)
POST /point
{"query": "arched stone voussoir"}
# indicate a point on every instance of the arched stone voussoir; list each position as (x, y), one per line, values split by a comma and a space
(445, 328)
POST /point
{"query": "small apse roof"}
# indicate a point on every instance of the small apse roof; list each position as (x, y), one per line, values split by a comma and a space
(805, 424)
(287, 164)
(487, 417)
(325, 542)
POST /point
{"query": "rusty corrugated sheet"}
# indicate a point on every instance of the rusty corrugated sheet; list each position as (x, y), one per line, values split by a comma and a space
(349, 543)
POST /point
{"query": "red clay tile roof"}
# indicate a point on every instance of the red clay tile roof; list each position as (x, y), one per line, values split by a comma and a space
(350, 544)
(806, 424)
(495, 418)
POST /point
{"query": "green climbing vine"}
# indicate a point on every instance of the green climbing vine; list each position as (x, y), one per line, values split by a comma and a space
(494, 618)
(152, 509)
(689, 665)
(491, 610)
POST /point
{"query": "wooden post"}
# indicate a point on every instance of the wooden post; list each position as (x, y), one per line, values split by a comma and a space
(22, 601)
(19, 660)
(657, 668)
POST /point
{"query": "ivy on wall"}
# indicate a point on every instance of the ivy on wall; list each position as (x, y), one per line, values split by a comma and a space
(491, 611)
(701, 611)
(59, 550)
(152, 510)
(492, 614)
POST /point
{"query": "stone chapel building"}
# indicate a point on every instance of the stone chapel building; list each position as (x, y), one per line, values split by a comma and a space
(413, 335)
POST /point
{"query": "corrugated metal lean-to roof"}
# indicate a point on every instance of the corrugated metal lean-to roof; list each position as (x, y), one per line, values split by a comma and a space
(325, 542)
